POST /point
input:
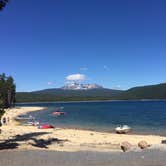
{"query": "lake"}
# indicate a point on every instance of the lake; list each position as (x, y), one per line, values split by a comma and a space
(145, 117)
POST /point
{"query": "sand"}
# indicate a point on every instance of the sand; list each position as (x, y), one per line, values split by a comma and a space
(15, 136)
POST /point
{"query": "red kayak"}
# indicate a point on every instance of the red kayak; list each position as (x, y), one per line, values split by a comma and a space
(45, 126)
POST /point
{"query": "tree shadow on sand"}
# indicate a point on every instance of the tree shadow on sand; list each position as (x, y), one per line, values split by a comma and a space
(30, 137)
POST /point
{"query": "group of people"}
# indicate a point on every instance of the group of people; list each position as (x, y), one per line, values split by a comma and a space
(5, 120)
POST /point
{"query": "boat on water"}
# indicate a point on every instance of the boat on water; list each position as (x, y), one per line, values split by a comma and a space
(24, 118)
(58, 113)
(32, 123)
(45, 126)
(123, 129)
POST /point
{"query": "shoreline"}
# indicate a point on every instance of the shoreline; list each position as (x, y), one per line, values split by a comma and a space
(91, 101)
(11, 114)
(65, 139)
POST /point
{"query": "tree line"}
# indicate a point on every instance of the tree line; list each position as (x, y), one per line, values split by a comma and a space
(7, 92)
(153, 92)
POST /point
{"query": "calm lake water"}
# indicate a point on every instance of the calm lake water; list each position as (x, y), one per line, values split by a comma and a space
(147, 117)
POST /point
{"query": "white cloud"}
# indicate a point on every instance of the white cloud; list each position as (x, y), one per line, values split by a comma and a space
(76, 77)
(84, 68)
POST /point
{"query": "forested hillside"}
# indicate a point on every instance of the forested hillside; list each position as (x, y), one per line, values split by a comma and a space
(144, 92)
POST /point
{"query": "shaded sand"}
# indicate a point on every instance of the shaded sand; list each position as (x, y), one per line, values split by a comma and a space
(15, 136)
(50, 158)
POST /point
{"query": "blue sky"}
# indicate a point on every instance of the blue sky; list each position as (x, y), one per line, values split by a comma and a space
(118, 44)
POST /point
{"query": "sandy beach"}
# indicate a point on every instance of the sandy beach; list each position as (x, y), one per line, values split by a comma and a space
(16, 136)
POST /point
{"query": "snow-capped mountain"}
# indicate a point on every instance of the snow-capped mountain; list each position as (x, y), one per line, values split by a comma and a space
(77, 86)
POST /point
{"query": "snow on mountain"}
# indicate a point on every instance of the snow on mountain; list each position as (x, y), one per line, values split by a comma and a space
(77, 86)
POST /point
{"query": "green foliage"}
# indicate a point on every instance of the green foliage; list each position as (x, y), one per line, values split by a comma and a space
(145, 92)
(7, 92)
(51, 95)
(66, 95)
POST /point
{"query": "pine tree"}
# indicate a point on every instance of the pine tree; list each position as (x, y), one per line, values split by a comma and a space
(7, 92)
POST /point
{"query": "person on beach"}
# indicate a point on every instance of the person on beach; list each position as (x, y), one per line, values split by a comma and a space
(4, 120)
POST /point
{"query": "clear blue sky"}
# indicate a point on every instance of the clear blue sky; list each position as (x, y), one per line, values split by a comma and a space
(121, 43)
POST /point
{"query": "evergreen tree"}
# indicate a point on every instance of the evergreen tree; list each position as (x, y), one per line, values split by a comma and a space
(7, 92)
(10, 89)
(2, 90)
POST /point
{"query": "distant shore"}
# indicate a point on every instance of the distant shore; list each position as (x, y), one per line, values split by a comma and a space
(64, 139)
(89, 101)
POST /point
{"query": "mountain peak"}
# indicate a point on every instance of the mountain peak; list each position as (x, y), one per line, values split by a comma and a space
(77, 86)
